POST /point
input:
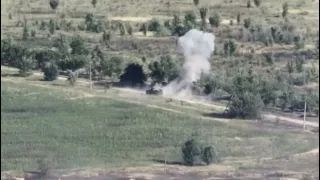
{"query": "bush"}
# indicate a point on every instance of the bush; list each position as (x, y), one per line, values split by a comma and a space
(45, 55)
(78, 47)
(285, 8)
(145, 28)
(25, 32)
(72, 62)
(54, 4)
(299, 42)
(299, 63)
(33, 33)
(196, 2)
(290, 67)
(94, 3)
(50, 71)
(230, 47)
(209, 155)
(43, 25)
(191, 152)
(122, 29)
(25, 64)
(245, 105)
(129, 29)
(154, 24)
(190, 19)
(164, 70)
(52, 26)
(133, 75)
(111, 66)
(162, 31)
(247, 23)
(249, 4)
(257, 2)
(215, 20)
(93, 24)
(73, 77)
(238, 18)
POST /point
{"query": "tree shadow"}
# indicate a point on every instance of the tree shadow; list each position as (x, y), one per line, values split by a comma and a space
(219, 115)
(169, 162)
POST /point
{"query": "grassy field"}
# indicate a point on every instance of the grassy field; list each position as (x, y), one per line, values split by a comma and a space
(75, 127)
(93, 132)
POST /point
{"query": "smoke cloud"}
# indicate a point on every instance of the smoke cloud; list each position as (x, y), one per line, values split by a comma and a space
(196, 47)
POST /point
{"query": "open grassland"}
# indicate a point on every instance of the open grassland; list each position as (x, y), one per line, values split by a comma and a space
(94, 132)
(75, 127)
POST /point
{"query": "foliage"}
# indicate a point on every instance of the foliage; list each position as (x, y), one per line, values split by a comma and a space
(285, 8)
(50, 71)
(249, 4)
(111, 66)
(257, 2)
(229, 47)
(25, 63)
(215, 20)
(93, 24)
(247, 22)
(25, 32)
(52, 26)
(238, 18)
(209, 155)
(72, 62)
(164, 70)
(54, 4)
(78, 47)
(191, 151)
(94, 3)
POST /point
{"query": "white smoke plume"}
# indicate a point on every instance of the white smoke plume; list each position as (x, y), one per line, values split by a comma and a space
(196, 47)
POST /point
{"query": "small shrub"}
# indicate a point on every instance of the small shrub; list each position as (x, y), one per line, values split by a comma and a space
(215, 20)
(54, 4)
(196, 2)
(209, 155)
(203, 13)
(50, 71)
(72, 77)
(257, 2)
(154, 24)
(191, 152)
(190, 19)
(106, 37)
(52, 26)
(78, 47)
(162, 31)
(299, 63)
(230, 47)
(145, 28)
(129, 29)
(238, 18)
(43, 25)
(94, 3)
(249, 4)
(33, 33)
(82, 27)
(25, 64)
(122, 29)
(269, 57)
(290, 67)
(25, 33)
(247, 23)
(285, 8)
(299, 42)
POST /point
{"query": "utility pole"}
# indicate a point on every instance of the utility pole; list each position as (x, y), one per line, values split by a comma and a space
(305, 104)
(90, 76)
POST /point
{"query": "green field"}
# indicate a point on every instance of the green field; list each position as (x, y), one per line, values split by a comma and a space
(37, 124)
